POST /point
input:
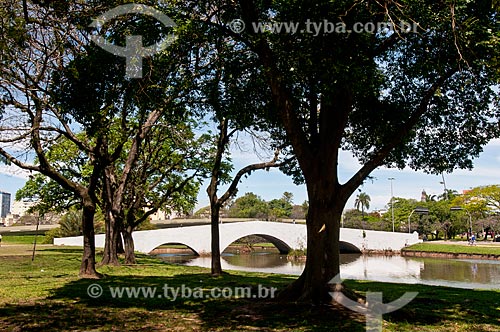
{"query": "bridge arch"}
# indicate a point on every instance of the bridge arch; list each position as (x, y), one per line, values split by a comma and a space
(349, 248)
(281, 245)
(175, 243)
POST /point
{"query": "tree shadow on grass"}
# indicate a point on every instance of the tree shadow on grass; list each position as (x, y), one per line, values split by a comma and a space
(440, 306)
(76, 307)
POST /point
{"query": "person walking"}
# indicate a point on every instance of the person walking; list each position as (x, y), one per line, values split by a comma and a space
(472, 240)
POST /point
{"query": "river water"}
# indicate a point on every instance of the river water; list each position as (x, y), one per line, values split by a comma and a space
(459, 273)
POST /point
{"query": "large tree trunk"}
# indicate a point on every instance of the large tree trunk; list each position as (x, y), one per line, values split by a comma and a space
(214, 222)
(110, 255)
(215, 202)
(323, 250)
(129, 245)
(87, 268)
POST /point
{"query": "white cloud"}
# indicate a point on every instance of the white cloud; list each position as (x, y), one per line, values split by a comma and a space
(495, 142)
(12, 170)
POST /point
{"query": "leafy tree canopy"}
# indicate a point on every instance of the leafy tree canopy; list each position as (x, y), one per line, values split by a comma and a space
(481, 201)
(248, 206)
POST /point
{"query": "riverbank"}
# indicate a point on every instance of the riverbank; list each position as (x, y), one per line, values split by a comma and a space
(457, 250)
(47, 295)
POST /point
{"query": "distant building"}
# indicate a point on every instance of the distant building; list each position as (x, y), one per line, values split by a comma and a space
(20, 208)
(9, 220)
(165, 215)
(4, 204)
(423, 198)
(381, 212)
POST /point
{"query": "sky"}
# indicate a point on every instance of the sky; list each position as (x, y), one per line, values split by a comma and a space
(407, 183)
(271, 184)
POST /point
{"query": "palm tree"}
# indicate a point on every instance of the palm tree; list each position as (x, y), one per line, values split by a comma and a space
(363, 201)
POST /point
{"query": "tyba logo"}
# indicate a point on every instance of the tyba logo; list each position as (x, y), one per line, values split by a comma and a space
(134, 51)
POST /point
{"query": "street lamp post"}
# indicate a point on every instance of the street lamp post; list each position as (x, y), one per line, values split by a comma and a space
(392, 203)
(444, 185)
(459, 208)
(419, 210)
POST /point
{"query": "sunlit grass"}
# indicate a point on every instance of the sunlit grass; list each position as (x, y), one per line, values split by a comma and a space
(454, 248)
(47, 295)
(20, 239)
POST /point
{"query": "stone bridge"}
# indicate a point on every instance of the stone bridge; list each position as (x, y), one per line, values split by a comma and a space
(284, 236)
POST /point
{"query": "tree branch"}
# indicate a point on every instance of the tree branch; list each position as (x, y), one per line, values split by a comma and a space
(234, 184)
(398, 137)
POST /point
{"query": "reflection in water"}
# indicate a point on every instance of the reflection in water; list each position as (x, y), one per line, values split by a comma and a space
(484, 274)
(465, 272)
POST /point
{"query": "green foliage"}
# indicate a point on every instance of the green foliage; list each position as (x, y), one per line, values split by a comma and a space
(305, 207)
(249, 206)
(441, 221)
(386, 77)
(297, 253)
(424, 100)
(354, 218)
(71, 225)
(483, 206)
(154, 158)
(253, 206)
(13, 31)
(48, 194)
(287, 197)
(399, 92)
(363, 201)
(280, 208)
(51, 234)
(204, 211)
(440, 218)
(480, 201)
(113, 112)
(146, 226)
(74, 165)
(167, 175)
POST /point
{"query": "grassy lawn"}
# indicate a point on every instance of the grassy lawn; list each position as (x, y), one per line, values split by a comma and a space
(20, 239)
(46, 295)
(455, 248)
